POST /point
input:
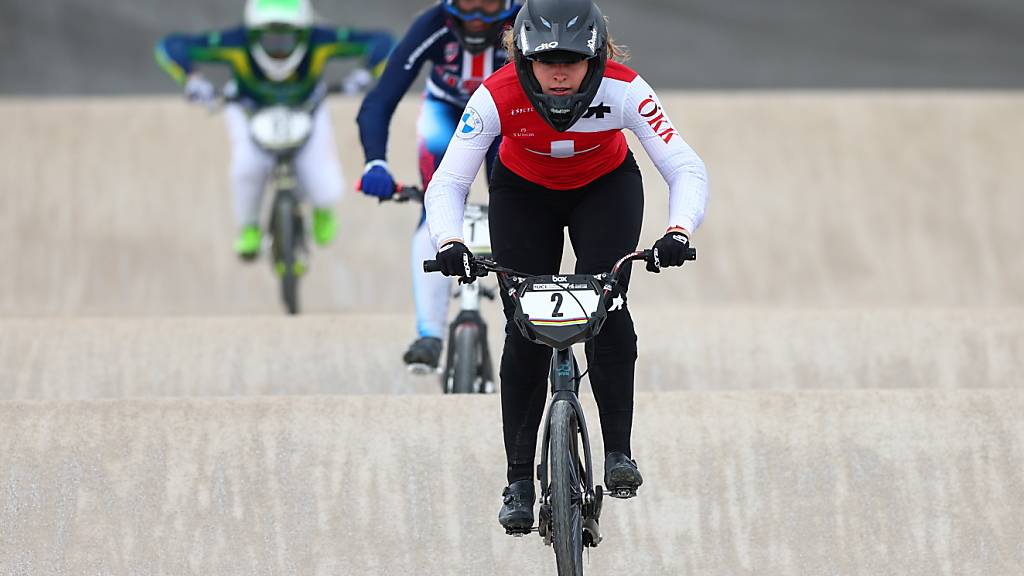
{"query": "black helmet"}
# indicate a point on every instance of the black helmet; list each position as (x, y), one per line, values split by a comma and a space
(560, 31)
(476, 42)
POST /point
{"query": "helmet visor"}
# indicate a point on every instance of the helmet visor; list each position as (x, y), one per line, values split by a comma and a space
(557, 57)
(467, 10)
(279, 42)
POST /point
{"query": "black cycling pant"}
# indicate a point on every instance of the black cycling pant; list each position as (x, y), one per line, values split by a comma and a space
(527, 223)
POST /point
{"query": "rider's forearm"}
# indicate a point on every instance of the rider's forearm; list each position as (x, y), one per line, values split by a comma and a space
(376, 110)
(177, 54)
(688, 189)
(401, 68)
(688, 198)
(376, 45)
(445, 204)
(373, 130)
(171, 54)
(350, 43)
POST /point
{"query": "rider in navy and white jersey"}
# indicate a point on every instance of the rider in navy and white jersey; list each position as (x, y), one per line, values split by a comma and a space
(564, 163)
(460, 40)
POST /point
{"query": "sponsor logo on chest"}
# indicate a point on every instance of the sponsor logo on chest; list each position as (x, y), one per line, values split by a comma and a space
(598, 111)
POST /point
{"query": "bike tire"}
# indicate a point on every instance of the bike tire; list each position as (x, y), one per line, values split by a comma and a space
(286, 239)
(466, 365)
(566, 491)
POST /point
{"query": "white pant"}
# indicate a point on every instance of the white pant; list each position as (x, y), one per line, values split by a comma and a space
(316, 166)
(432, 292)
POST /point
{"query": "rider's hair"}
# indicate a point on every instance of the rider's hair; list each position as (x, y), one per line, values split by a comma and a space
(616, 52)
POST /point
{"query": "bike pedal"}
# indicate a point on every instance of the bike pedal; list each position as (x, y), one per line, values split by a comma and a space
(622, 493)
(518, 532)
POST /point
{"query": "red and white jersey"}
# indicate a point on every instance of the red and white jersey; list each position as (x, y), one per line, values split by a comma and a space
(591, 148)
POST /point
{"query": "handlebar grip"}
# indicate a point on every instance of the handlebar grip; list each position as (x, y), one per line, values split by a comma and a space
(691, 254)
(431, 266)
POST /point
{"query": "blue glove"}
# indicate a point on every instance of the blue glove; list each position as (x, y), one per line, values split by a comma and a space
(377, 181)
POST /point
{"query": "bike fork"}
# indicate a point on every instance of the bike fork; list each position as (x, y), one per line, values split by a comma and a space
(564, 386)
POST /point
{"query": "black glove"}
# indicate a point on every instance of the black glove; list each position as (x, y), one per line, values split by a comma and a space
(671, 250)
(455, 259)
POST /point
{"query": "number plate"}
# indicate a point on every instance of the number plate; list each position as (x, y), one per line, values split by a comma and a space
(560, 302)
(476, 229)
(280, 128)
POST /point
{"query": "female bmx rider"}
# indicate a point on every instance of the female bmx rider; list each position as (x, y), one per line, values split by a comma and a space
(563, 162)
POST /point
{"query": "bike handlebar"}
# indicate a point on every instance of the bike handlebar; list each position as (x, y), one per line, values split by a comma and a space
(482, 266)
(225, 96)
(405, 194)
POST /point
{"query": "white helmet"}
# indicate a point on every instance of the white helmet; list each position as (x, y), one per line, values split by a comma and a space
(278, 34)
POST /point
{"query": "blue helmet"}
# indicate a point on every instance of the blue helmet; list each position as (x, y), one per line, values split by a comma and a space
(491, 36)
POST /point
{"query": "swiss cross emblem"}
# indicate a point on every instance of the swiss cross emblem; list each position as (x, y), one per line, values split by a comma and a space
(564, 149)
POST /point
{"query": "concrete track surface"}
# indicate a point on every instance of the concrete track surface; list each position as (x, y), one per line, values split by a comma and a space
(834, 388)
(915, 483)
(120, 208)
(735, 349)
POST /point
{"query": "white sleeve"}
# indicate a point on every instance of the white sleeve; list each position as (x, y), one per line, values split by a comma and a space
(679, 165)
(445, 199)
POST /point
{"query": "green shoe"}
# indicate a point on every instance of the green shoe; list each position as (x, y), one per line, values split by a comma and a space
(248, 243)
(324, 226)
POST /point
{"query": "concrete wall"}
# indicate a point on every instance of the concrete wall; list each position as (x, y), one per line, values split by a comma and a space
(100, 47)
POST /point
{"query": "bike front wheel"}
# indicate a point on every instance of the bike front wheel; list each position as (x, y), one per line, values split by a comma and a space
(465, 367)
(286, 227)
(566, 490)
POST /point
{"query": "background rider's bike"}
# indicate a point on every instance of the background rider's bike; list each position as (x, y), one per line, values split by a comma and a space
(282, 131)
(559, 311)
(468, 367)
